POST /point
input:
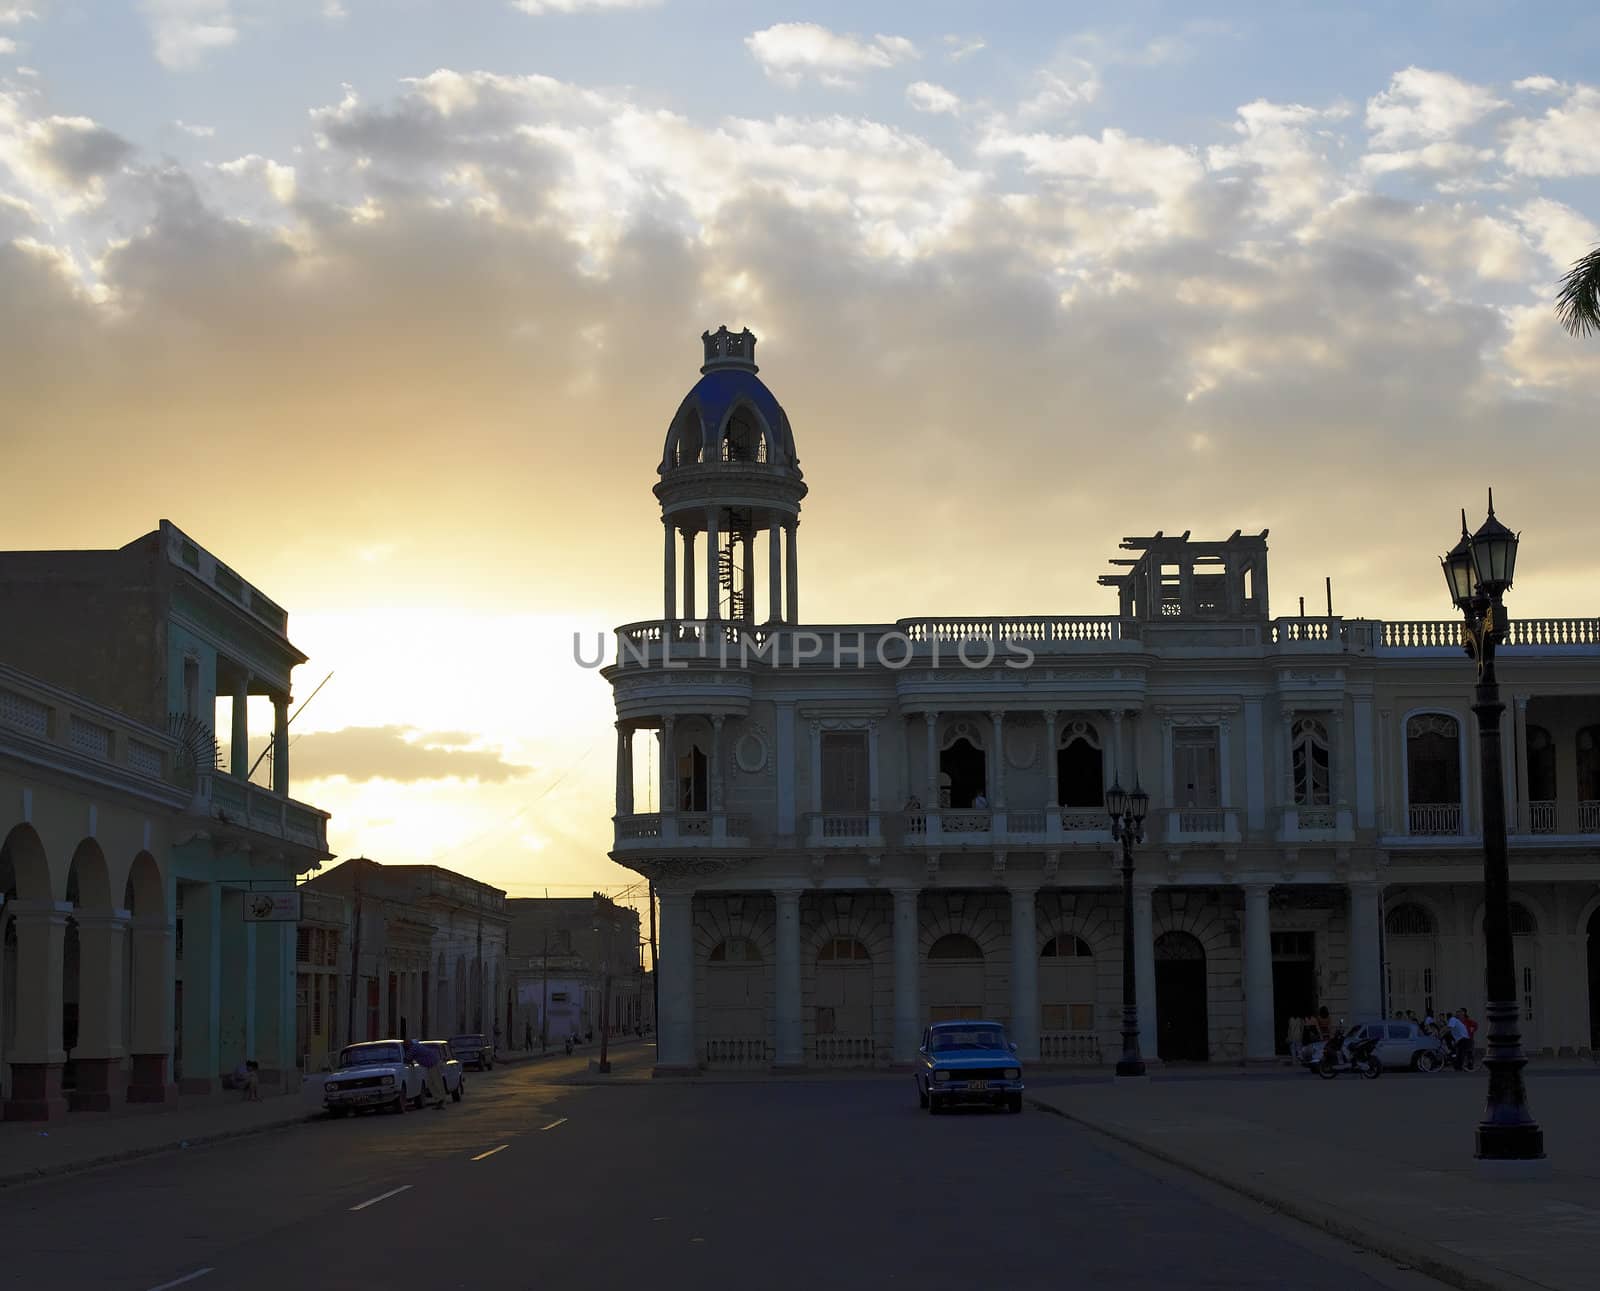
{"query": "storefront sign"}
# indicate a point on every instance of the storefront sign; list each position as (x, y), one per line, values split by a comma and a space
(272, 907)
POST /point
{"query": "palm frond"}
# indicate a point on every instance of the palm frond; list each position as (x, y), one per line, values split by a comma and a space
(1578, 302)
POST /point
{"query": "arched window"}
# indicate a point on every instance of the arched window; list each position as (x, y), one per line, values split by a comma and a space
(1066, 987)
(955, 945)
(842, 948)
(1080, 768)
(687, 439)
(1433, 774)
(1589, 764)
(1522, 922)
(735, 950)
(1311, 782)
(1409, 920)
(743, 440)
(966, 768)
(1066, 948)
(693, 782)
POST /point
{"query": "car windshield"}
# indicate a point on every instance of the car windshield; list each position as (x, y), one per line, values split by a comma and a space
(952, 1040)
(466, 1041)
(438, 1046)
(361, 1055)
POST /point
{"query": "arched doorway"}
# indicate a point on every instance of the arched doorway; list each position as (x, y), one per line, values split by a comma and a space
(24, 877)
(1181, 1020)
(1066, 1001)
(736, 1004)
(843, 1007)
(1080, 768)
(955, 978)
(963, 770)
(89, 1016)
(1409, 932)
(1594, 982)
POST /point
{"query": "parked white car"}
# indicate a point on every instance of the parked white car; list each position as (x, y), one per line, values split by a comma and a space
(450, 1068)
(372, 1074)
(1401, 1043)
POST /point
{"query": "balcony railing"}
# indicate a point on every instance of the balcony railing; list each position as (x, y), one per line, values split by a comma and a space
(1589, 817)
(1434, 818)
(739, 1051)
(1433, 634)
(965, 822)
(1200, 820)
(1026, 820)
(1075, 820)
(843, 1051)
(1542, 817)
(1070, 1048)
(249, 805)
(640, 825)
(694, 824)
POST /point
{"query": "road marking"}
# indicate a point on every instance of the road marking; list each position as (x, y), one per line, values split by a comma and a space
(553, 1124)
(491, 1152)
(382, 1196)
(187, 1277)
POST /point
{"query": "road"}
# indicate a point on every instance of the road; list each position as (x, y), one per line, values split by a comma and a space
(534, 1180)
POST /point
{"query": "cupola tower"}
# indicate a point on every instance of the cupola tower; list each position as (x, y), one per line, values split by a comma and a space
(730, 481)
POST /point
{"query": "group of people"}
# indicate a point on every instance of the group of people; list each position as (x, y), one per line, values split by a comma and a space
(1454, 1031)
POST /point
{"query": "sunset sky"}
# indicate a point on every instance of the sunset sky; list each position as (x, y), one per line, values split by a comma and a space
(389, 302)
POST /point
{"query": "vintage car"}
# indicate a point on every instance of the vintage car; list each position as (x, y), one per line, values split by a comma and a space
(450, 1070)
(965, 1063)
(1402, 1044)
(474, 1050)
(372, 1074)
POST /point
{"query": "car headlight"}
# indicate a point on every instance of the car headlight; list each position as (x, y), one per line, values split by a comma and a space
(388, 1080)
(331, 1085)
(941, 1075)
(1013, 1073)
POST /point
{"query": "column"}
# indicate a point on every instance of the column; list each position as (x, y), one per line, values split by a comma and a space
(1168, 796)
(1224, 765)
(907, 954)
(816, 766)
(676, 1049)
(271, 1042)
(1362, 741)
(235, 980)
(150, 1078)
(280, 745)
(872, 768)
(688, 574)
(102, 955)
(749, 615)
(669, 780)
(1024, 975)
(1051, 765)
(202, 982)
(36, 1054)
(1255, 774)
(1338, 773)
(239, 746)
(714, 771)
(1259, 1042)
(792, 573)
(783, 754)
(931, 802)
(997, 763)
(1144, 967)
(669, 565)
(1517, 813)
(713, 564)
(1366, 997)
(1116, 749)
(790, 1051)
(775, 573)
(624, 769)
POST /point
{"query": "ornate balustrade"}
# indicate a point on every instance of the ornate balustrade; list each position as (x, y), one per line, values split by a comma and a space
(694, 824)
(1070, 1048)
(1589, 817)
(843, 1051)
(843, 828)
(1026, 820)
(640, 825)
(965, 822)
(1200, 820)
(1075, 820)
(1441, 819)
(737, 1051)
(1541, 817)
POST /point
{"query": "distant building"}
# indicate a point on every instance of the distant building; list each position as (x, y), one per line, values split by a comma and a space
(148, 917)
(566, 951)
(425, 949)
(858, 829)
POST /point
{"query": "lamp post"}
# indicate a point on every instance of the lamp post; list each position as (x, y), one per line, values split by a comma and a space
(604, 1064)
(1479, 570)
(1127, 812)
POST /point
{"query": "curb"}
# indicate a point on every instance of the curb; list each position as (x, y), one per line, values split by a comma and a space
(39, 1173)
(1359, 1232)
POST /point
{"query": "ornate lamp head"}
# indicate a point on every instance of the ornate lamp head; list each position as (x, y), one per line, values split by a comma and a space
(1459, 573)
(1494, 553)
(1116, 802)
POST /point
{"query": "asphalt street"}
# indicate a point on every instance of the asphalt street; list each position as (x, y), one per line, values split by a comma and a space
(536, 1181)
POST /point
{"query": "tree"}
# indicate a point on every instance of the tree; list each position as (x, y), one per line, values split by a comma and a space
(1578, 302)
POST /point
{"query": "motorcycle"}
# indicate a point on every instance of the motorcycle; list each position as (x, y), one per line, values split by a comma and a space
(1442, 1056)
(1356, 1055)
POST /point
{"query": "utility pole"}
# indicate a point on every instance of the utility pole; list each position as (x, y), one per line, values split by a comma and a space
(544, 1004)
(355, 959)
(655, 976)
(605, 983)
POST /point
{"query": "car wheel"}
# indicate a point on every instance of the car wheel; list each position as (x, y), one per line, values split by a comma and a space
(400, 1103)
(922, 1094)
(455, 1094)
(1014, 1104)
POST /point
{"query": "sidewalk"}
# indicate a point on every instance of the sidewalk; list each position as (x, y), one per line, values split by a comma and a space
(1386, 1164)
(30, 1151)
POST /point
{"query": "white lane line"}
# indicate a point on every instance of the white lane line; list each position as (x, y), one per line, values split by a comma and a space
(187, 1277)
(491, 1152)
(382, 1196)
(553, 1124)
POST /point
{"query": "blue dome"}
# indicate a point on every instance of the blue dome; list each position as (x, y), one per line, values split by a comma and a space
(717, 395)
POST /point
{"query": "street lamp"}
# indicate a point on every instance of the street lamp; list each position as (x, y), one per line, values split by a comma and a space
(604, 1065)
(1478, 571)
(1127, 812)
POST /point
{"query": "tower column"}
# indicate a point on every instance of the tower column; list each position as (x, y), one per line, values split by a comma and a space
(792, 573)
(775, 573)
(713, 562)
(670, 568)
(750, 608)
(688, 574)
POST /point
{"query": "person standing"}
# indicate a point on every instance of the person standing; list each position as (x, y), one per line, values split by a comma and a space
(1460, 1039)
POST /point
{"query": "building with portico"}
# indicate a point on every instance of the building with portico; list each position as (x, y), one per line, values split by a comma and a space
(856, 829)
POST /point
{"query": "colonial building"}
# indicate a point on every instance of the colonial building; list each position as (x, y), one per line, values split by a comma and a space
(422, 957)
(148, 887)
(568, 953)
(856, 829)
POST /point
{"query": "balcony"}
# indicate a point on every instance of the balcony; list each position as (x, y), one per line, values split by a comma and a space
(1201, 825)
(249, 806)
(1434, 820)
(1318, 823)
(843, 829)
(687, 828)
(1542, 817)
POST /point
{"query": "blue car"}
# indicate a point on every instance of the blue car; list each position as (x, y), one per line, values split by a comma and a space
(968, 1063)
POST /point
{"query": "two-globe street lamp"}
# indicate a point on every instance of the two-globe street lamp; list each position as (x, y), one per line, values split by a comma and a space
(1479, 569)
(1127, 812)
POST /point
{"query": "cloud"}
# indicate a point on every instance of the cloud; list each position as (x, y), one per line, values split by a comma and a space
(925, 96)
(185, 31)
(1540, 85)
(1564, 142)
(12, 15)
(198, 131)
(960, 48)
(1560, 233)
(1286, 150)
(279, 179)
(334, 11)
(789, 52)
(1061, 92)
(1441, 159)
(539, 7)
(7, 45)
(1422, 106)
(64, 158)
(359, 753)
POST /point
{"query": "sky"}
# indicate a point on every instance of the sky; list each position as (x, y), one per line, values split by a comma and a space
(389, 303)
